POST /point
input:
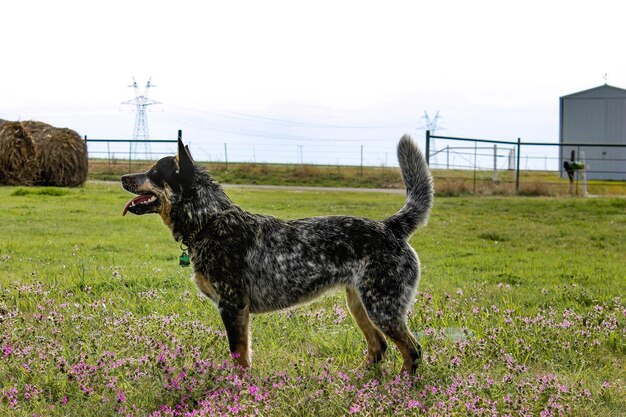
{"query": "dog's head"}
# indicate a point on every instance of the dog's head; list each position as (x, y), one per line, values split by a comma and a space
(156, 187)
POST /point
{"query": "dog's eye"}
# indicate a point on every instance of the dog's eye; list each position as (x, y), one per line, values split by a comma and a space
(153, 173)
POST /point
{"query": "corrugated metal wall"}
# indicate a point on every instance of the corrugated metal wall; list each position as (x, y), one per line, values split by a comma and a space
(596, 116)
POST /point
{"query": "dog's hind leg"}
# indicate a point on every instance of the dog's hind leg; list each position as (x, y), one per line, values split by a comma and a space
(237, 323)
(376, 344)
(407, 344)
(387, 314)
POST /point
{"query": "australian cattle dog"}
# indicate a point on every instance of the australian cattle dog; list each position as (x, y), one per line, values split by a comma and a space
(252, 263)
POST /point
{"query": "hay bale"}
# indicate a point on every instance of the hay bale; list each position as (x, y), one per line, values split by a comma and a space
(62, 155)
(37, 153)
(18, 155)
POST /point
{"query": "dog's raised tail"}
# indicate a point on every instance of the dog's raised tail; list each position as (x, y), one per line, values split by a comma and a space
(419, 190)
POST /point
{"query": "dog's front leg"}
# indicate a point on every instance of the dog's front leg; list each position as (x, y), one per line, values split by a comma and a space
(236, 320)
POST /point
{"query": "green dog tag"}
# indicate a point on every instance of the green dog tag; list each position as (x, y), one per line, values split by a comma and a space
(183, 259)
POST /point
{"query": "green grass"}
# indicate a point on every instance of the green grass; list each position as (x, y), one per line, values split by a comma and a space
(519, 310)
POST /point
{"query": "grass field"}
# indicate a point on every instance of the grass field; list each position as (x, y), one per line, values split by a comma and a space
(520, 312)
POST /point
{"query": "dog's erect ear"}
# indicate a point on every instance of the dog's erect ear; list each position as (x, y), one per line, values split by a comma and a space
(185, 163)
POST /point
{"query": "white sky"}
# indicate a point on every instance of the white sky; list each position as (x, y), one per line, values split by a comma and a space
(493, 69)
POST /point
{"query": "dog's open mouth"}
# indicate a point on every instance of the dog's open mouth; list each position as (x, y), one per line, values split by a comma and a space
(145, 203)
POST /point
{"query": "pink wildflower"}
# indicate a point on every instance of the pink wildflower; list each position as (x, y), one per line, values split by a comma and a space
(7, 350)
(121, 397)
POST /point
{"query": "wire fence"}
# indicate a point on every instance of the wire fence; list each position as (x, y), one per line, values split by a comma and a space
(460, 165)
(323, 152)
(529, 167)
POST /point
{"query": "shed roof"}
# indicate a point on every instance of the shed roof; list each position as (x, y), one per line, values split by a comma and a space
(603, 91)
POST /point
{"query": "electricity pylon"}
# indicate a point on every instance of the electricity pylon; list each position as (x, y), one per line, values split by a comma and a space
(431, 125)
(141, 133)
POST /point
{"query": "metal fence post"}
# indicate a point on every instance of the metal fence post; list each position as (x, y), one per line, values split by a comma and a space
(361, 160)
(519, 151)
(495, 162)
(475, 164)
(577, 174)
(428, 147)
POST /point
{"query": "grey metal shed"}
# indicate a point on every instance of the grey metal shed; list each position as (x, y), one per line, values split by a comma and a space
(595, 116)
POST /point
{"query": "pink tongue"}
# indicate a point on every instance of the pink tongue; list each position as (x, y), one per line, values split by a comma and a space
(137, 200)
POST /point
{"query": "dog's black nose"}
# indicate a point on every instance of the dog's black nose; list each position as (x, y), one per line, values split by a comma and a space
(127, 180)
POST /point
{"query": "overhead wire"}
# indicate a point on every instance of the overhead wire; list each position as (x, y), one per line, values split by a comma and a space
(254, 117)
(205, 123)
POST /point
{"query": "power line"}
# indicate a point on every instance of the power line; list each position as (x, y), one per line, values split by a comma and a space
(253, 117)
(275, 134)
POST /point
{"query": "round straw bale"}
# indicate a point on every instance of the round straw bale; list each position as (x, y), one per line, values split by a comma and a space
(18, 155)
(62, 155)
